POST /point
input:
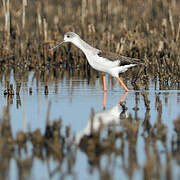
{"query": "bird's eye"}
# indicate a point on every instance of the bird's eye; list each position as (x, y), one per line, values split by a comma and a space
(68, 36)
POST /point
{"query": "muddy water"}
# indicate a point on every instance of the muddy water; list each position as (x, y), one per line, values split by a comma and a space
(73, 100)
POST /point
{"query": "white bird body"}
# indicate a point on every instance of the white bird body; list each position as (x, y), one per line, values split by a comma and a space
(100, 63)
(105, 62)
(96, 62)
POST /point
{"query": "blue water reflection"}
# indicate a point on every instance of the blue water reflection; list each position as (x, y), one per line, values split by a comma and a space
(72, 100)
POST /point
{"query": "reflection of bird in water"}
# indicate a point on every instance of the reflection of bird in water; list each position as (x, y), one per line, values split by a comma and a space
(104, 118)
(105, 62)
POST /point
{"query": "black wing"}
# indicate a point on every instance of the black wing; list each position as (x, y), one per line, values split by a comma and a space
(123, 60)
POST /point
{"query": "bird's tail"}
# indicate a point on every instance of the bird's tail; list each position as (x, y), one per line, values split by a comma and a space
(121, 69)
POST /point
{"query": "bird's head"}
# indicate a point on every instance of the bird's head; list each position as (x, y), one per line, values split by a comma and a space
(68, 37)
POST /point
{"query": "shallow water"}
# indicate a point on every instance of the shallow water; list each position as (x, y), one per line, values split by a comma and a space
(72, 100)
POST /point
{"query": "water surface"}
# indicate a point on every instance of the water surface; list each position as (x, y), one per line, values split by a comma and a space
(72, 100)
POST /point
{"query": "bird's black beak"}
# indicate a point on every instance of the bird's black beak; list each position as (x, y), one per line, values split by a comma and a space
(56, 46)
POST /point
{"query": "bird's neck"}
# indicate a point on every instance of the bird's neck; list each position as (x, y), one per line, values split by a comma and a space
(85, 47)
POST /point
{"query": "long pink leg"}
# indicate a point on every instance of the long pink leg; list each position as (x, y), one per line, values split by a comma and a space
(104, 83)
(122, 84)
(104, 100)
(123, 97)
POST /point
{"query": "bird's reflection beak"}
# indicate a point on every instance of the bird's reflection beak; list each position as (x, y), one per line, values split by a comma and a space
(56, 46)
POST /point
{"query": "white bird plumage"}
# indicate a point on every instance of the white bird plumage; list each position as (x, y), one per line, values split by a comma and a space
(110, 63)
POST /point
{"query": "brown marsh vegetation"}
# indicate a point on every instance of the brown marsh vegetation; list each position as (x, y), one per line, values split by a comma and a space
(149, 30)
